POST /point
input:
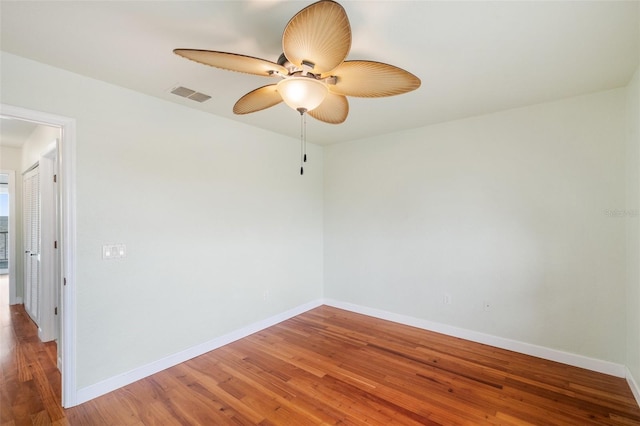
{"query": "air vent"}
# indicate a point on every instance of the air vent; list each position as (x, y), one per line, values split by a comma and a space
(190, 94)
(199, 97)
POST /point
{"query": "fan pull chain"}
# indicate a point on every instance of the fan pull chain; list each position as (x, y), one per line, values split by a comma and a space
(305, 137)
(301, 141)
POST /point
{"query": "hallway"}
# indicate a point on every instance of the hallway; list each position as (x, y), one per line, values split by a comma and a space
(30, 389)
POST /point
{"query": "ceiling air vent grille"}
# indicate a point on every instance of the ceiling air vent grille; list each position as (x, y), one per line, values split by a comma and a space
(190, 94)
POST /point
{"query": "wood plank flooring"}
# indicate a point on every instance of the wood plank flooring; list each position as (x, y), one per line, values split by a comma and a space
(29, 379)
(326, 366)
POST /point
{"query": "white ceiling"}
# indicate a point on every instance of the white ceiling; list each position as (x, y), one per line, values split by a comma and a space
(472, 57)
(14, 133)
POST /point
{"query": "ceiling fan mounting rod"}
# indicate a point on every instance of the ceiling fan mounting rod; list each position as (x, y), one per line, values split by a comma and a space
(294, 72)
(307, 66)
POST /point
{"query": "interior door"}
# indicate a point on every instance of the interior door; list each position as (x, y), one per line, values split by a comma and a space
(49, 260)
(31, 209)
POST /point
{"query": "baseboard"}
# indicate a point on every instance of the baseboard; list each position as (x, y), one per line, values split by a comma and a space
(93, 391)
(18, 300)
(635, 389)
(575, 360)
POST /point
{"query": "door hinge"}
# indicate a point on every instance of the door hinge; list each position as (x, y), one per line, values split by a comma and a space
(55, 244)
(55, 178)
(55, 311)
(64, 281)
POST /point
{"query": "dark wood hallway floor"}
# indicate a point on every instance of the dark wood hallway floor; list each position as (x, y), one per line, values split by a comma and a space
(326, 366)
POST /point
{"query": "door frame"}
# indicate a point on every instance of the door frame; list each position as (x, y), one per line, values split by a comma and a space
(67, 187)
(49, 280)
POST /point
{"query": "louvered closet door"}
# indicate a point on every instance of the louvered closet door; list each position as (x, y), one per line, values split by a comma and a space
(31, 212)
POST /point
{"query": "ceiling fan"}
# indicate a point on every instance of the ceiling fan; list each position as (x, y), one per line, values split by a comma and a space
(314, 77)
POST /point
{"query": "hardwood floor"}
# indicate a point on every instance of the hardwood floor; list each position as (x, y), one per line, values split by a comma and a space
(326, 366)
(29, 379)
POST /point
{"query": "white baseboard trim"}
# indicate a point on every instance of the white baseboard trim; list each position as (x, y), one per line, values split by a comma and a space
(635, 389)
(18, 300)
(93, 391)
(575, 360)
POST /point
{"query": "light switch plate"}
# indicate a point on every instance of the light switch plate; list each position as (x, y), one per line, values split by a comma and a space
(114, 251)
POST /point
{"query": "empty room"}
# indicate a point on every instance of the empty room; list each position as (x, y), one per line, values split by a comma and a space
(293, 212)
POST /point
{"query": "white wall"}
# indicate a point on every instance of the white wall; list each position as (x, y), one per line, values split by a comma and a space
(632, 217)
(515, 208)
(213, 214)
(37, 144)
(10, 158)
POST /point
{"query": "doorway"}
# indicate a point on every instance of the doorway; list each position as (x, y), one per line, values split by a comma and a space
(65, 242)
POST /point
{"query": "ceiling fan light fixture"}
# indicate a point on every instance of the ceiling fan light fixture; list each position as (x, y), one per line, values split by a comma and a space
(315, 45)
(302, 93)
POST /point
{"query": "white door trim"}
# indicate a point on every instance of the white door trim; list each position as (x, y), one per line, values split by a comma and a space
(67, 175)
(49, 274)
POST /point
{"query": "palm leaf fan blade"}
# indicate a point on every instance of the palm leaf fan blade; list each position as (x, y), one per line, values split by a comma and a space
(333, 110)
(319, 34)
(258, 99)
(370, 79)
(232, 62)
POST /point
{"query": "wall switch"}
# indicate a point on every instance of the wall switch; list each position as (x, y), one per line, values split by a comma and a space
(446, 299)
(114, 251)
